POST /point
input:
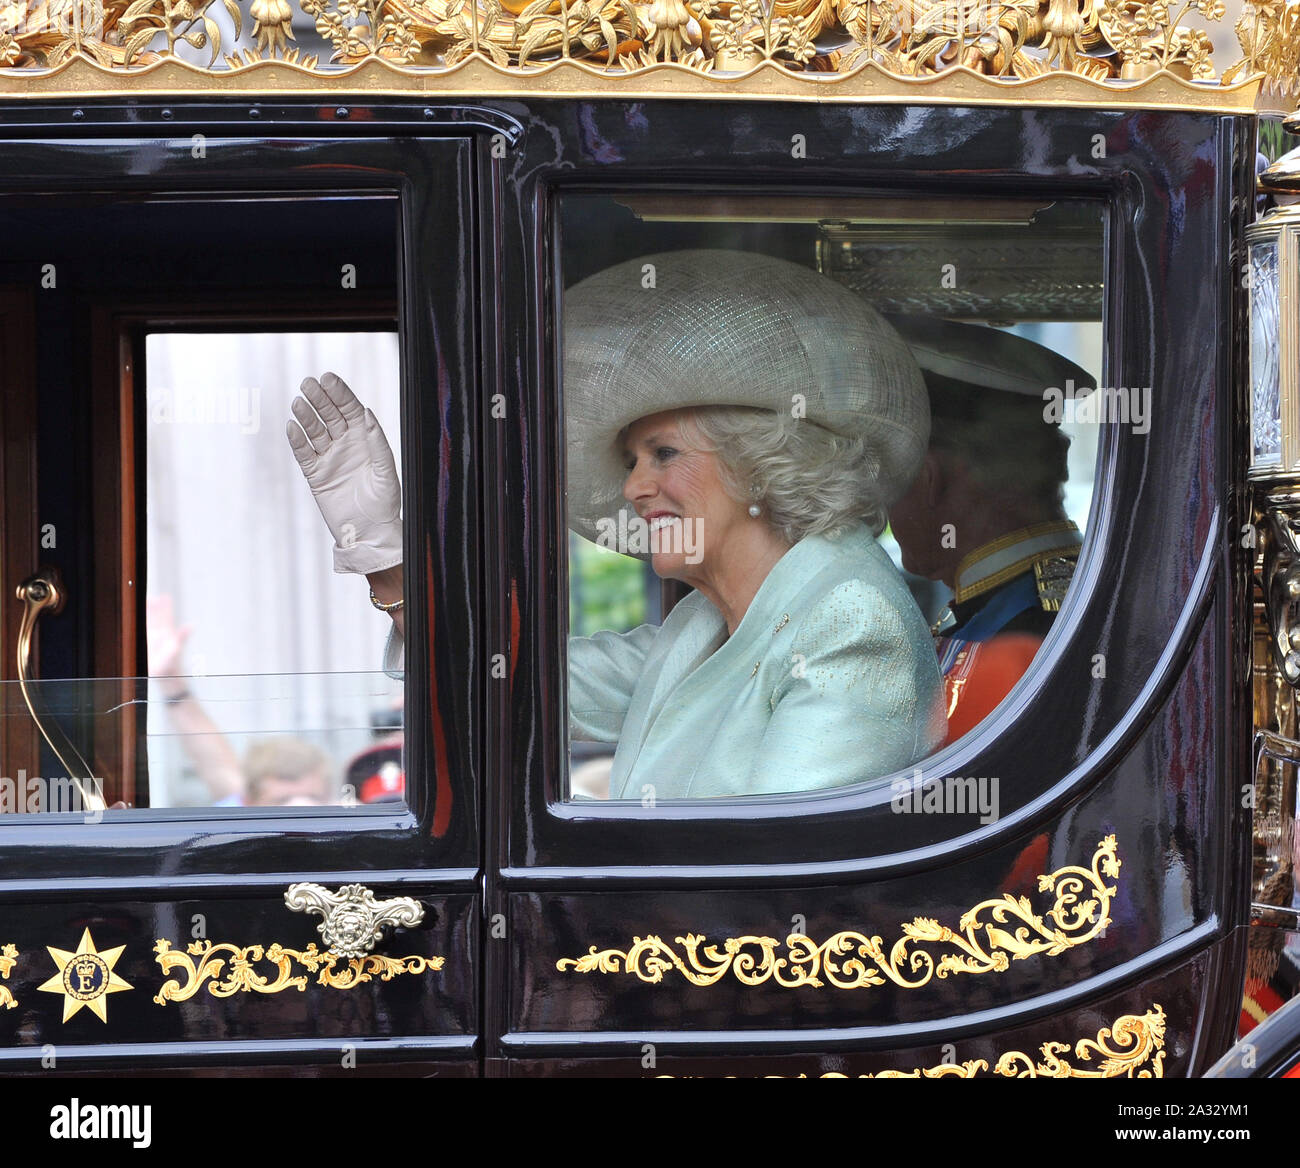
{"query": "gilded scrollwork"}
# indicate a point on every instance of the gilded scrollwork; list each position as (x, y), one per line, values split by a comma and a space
(227, 969)
(987, 939)
(1132, 1048)
(998, 39)
(8, 958)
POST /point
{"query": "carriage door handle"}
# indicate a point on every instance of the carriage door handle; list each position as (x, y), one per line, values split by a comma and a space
(38, 593)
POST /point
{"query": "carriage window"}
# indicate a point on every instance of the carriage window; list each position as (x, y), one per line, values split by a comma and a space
(830, 461)
(214, 445)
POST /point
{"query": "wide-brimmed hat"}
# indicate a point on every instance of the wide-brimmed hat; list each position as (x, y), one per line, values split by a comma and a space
(715, 327)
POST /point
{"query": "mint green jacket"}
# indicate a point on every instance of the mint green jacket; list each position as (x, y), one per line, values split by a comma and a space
(830, 678)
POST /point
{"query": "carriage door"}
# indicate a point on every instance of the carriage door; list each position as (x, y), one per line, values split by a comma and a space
(234, 830)
(706, 863)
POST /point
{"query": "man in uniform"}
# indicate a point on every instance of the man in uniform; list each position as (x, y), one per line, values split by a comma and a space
(986, 514)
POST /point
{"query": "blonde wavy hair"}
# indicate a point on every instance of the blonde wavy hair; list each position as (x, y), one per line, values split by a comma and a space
(808, 479)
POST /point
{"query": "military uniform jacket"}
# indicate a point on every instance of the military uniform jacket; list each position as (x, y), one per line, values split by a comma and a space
(830, 678)
(1008, 594)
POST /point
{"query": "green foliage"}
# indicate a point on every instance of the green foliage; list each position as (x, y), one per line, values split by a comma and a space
(606, 590)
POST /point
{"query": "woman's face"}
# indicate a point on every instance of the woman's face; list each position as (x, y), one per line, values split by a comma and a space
(675, 487)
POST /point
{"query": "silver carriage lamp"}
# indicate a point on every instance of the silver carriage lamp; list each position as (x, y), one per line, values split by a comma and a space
(1274, 258)
(1274, 248)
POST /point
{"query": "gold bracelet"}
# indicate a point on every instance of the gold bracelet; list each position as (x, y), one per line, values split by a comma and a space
(379, 604)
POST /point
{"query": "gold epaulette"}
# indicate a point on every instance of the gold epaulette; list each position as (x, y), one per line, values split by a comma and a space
(1052, 576)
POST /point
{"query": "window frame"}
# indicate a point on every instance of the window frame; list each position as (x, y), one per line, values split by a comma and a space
(789, 802)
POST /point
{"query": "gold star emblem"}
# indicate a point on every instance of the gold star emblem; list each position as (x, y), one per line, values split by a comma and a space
(85, 977)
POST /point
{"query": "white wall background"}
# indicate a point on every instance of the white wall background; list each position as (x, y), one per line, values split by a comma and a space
(235, 538)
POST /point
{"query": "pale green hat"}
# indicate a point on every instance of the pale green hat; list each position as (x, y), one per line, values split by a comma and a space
(716, 327)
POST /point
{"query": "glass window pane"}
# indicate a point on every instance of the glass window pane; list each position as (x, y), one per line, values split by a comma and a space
(302, 640)
(853, 440)
(1265, 374)
(198, 627)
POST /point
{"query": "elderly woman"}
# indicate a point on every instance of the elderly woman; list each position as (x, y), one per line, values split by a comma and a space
(753, 421)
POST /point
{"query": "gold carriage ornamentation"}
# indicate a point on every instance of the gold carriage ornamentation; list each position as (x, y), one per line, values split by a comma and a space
(227, 969)
(8, 958)
(761, 48)
(1133, 1047)
(987, 939)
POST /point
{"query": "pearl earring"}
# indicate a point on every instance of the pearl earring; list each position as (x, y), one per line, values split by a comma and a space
(755, 510)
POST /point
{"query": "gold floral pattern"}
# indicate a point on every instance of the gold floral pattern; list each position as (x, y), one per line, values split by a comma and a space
(987, 939)
(8, 957)
(144, 21)
(360, 28)
(1148, 39)
(236, 963)
(1008, 39)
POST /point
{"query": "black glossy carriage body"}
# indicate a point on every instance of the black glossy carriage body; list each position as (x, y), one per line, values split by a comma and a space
(1134, 778)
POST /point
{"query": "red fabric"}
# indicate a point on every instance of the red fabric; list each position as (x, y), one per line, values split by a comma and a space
(982, 676)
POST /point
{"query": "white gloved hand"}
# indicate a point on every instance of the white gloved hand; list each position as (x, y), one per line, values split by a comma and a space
(350, 469)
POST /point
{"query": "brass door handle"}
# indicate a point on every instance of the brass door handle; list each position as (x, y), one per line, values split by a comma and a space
(39, 593)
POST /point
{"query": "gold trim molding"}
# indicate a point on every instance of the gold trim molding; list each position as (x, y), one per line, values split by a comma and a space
(377, 78)
(8, 958)
(1078, 52)
(987, 939)
(236, 963)
(479, 78)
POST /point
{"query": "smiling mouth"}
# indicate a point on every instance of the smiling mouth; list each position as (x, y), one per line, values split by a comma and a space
(659, 522)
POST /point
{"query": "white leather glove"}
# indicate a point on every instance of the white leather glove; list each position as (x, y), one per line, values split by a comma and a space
(350, 469)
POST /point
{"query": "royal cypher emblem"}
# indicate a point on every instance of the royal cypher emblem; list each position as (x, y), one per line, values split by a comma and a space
(86, 977)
